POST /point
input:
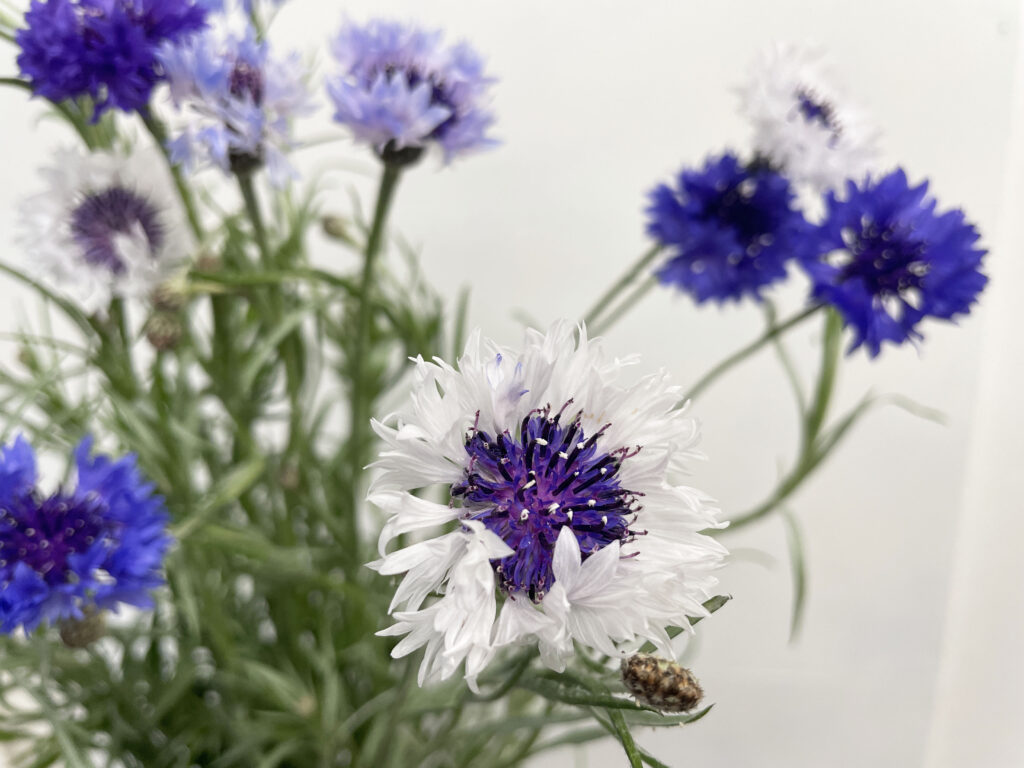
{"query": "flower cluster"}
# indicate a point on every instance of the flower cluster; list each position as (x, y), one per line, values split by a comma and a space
(568, 524)
(399, 88)
(103, 49)
(236, 100)
(91, 547)
(874, 248)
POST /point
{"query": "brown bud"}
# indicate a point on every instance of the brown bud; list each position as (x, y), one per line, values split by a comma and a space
(208, 261)
(660, 683)
(79, 633)
(289, 476)
(163, 330)
(336, 228)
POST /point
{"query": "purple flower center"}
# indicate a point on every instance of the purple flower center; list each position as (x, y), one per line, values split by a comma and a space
(817, 110)
(246, 80)
(102, 216)
(527, 489)
(885, 259)
(44, 534)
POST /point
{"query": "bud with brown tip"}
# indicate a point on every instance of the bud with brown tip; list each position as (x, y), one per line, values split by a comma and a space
(163, 330)
(660, 683)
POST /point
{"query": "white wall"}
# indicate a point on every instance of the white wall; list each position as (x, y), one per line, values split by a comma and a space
(597, 102)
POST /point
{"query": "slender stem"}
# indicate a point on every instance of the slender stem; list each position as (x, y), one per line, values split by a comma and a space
(619, 285)
(626, 738)
(159, 133)
(811, 453)
(787, 362)
(630, 301)
(748, 350)
(252, 208)
(360, 404)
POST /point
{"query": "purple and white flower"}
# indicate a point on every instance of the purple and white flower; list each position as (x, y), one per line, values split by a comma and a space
(566, 522)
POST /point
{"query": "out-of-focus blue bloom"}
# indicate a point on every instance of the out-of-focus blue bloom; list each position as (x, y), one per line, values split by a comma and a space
(235, 99)
(399, 87)
(730, 229)
(96, 545)
(888, 260)
(104, 49)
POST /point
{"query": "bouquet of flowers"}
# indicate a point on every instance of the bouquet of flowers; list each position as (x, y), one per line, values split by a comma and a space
(308, 517)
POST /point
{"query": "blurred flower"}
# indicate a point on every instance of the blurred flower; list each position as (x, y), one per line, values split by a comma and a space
(93, 546)
(235, 99)
(106, 225)
(399, 88)
(888, 260)
(104, 49)
(730, 229)
(802, 124)
(565, 523)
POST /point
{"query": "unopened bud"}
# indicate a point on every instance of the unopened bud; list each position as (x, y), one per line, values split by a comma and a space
(660, 683)
(336, 228)
(208, 261)
(170, 296)
(163, 330)
(79, 633)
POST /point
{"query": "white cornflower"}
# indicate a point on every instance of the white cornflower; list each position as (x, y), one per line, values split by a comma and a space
(802, 123)
(565, 522)
(106, 225)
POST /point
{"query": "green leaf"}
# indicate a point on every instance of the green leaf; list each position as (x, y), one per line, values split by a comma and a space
(227, 491)
(794, 539)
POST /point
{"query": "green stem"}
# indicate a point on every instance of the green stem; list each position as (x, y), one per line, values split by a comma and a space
(252, 208)
(811, 453)
(159, 134)
(361, 396)
(754, 346)
(619, 285)
(631, 300)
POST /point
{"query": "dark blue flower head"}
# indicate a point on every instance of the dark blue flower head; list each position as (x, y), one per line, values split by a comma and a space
(730, 227)
(97, 545)
(400, 88)
(887, 260)
(104, 49)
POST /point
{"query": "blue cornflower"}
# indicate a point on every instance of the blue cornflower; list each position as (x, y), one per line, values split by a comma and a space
(399, 88)
(730, 229)
(103, 49)
(887, 260)
(66, 553)
(236, 100)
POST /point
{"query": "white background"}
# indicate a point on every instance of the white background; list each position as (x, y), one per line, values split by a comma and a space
(909, 653)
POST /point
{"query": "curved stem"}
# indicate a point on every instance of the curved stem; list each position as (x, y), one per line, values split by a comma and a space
(599, 306)
(360, 401)
(738, 357)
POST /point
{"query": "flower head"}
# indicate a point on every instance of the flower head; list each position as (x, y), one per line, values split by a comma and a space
(93, 546)
(802, 124)
(730, 229)
(104, 49)
(105, 226)
(565, 523)
(236, 100)
(399, 88)
(888, 260)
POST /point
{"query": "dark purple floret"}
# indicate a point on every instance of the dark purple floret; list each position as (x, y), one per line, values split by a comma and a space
(246, 80)
(101, 216)
(103, 49)
(44, 533)
(887, 260)
(527, 488)
(815, 109)
(730, 229)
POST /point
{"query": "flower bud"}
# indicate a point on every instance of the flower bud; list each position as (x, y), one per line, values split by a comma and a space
(660, 683)
(80, 633)
(163, 330)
